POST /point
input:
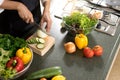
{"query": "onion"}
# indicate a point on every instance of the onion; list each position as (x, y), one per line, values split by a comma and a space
(70, 47)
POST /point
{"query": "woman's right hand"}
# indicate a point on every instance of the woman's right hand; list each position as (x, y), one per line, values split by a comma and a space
(24, 13)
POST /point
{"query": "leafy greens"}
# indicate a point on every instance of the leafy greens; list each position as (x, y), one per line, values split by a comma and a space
(8, 47)
(80, 21)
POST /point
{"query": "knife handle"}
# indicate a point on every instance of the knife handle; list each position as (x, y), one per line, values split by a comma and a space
(58, 17)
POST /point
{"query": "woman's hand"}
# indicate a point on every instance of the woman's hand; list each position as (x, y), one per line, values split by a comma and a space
(46, 18)
(46, 15)
(24, 13)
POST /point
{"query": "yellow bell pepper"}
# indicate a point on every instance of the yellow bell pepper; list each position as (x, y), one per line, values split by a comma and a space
(81, 41)
(25, 54)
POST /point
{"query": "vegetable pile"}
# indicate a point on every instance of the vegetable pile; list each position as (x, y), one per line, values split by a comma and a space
(81, 42)
(80, 23)
(15, 54)
(10, 64)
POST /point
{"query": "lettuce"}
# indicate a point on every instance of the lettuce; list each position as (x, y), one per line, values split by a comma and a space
(80, 21)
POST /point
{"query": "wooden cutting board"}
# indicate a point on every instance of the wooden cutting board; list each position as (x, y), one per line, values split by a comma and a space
(49, 42)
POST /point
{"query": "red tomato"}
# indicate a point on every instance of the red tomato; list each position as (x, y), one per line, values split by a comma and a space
(88, 52)
(98, 50)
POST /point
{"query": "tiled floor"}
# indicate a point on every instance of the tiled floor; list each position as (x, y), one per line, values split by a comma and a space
(115, 71)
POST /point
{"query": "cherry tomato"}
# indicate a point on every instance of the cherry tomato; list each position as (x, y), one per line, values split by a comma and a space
(98, 50)
(88, 52)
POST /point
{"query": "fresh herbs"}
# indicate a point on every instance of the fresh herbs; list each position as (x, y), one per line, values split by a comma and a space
(80, 21)
(10, 43)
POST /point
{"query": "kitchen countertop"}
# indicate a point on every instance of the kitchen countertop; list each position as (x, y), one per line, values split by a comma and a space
(75, 66)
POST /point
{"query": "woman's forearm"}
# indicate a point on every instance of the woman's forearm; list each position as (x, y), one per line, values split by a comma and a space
(46, 5)
(11, 5)
(22, 10)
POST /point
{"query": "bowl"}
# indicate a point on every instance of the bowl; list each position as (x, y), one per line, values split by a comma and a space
(18, 74)
(76, 23)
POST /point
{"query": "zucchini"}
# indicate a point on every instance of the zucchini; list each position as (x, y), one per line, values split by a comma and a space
(40, 46)
(35, 40)
(46, 73)
(41, 40)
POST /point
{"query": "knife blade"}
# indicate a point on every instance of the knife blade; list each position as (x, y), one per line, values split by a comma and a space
(39, 27)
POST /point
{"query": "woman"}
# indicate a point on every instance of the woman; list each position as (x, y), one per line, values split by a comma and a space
(18, 15)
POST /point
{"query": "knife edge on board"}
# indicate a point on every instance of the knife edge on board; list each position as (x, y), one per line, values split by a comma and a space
(40, 27)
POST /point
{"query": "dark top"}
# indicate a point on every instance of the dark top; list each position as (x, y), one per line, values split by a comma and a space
(11, 23)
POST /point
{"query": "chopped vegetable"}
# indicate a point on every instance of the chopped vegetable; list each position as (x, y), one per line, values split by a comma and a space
(41, 34)
(41, 40)
(35, 40)
(40, 46)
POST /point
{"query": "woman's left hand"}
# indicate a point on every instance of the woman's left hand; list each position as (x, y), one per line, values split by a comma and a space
(46, 18)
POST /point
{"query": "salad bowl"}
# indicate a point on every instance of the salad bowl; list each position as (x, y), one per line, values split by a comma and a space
(79, 23)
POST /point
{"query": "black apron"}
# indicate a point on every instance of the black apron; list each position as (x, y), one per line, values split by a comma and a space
(11, 23)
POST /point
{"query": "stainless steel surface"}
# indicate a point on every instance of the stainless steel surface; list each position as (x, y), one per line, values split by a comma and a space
(113, 2)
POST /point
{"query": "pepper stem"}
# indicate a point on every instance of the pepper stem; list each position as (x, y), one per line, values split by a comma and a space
(25, 51)
(14, 62)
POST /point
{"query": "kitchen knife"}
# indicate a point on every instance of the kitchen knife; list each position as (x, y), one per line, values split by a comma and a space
(39, 27)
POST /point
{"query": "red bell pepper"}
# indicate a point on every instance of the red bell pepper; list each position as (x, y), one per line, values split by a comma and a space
(15, 63)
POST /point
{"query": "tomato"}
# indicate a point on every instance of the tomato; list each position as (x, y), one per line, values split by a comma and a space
(88, 52)
(98, 50)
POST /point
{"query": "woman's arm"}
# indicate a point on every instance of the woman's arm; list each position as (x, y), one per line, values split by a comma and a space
(23, 11)
(46, 15)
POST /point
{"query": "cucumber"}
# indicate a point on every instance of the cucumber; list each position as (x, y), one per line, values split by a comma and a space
(35, 40)
(46, 73)
(40, 46)
(41, 40)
